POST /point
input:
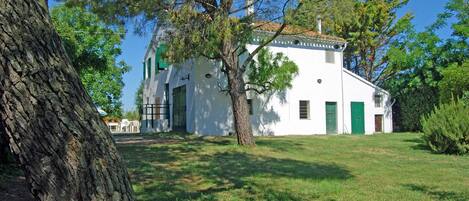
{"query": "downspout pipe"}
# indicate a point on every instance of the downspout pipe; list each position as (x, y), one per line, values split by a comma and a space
(342, 86)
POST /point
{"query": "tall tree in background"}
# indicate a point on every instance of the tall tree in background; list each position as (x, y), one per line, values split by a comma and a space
(432, 69)
(93, 47)
(139, 100)
(217, 30)
(52, 125)
(455, 81)
(368, 26)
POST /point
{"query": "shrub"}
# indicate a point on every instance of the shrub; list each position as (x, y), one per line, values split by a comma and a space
(446, 128)
(465, 98)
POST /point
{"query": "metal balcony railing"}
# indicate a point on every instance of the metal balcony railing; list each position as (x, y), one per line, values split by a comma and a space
(154, 112)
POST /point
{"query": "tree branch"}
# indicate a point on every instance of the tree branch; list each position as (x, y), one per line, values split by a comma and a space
(244, 7)
(268, 41)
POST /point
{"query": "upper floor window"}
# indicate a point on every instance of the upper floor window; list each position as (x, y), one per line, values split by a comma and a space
(304, 109)
(378, 100)
(160, 61)
(149, 67)
(330, 57)
(144, 71)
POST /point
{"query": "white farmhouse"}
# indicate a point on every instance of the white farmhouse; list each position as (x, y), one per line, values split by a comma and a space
(325, 98)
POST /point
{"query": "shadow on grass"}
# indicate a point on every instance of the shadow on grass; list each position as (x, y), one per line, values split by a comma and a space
(185, 172)
(438, 194)
(280, 145)
(419, 144)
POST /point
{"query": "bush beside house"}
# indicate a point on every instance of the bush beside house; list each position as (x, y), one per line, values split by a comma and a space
(446, 129)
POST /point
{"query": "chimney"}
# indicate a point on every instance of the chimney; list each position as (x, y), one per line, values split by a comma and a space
(250, 7)
(319, 25)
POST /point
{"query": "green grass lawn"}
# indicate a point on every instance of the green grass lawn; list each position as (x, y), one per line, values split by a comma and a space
(378, 167)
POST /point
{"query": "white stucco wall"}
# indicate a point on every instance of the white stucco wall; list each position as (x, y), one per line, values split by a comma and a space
(154, 86)
(209, 109)
(357, 89)
(274, 114)
(213, 115)
(278, 114)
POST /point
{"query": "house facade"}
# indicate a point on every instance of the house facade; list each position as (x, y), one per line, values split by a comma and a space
(325, 98)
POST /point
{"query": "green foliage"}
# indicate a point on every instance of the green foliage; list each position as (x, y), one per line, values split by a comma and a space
(139, 99)
(465, 98)
(132, 115)
(446, 129)
(216, 30)
(369, 28)
(270, 72)
(206, 35)
(411, 105)
(414, 83)
(424, 66)
(455, 82)
(93, 48)
(197, 29)
(337, 16)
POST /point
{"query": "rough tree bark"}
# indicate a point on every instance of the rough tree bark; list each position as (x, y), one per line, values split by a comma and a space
(54, 130)
(237, 91)
(4, 149)
(239, 103)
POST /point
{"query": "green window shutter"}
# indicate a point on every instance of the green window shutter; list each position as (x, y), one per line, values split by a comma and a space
(149, 67)
(157, 60)
(162, 61)
(144, 71)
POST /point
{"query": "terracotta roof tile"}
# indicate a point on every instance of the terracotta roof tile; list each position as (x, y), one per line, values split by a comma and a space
(296, 30)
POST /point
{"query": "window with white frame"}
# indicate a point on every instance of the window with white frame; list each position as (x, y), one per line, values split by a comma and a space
(304, 109)
(378, 100)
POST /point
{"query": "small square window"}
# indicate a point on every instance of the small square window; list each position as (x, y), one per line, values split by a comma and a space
(330, 57)
(250, 107)
(304, 109)
(378, 101)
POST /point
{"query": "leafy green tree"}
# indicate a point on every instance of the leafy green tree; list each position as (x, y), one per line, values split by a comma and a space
(270, 72)
(369, 27)
(93, 47)
(415, 78)
(139, 99)
(455, 82)
(457, 46)
(217, 30)
(420, 62)
(53, 129)
(132, 115)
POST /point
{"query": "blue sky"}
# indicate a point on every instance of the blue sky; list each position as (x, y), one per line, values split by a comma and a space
(134, 46)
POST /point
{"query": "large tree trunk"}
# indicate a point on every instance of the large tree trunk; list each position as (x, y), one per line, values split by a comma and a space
(54, 129)
(242, 122)
(4, 149)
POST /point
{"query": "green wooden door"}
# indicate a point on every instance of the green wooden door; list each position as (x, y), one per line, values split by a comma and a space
(179, 108)
(331, 117)
(358, 117)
